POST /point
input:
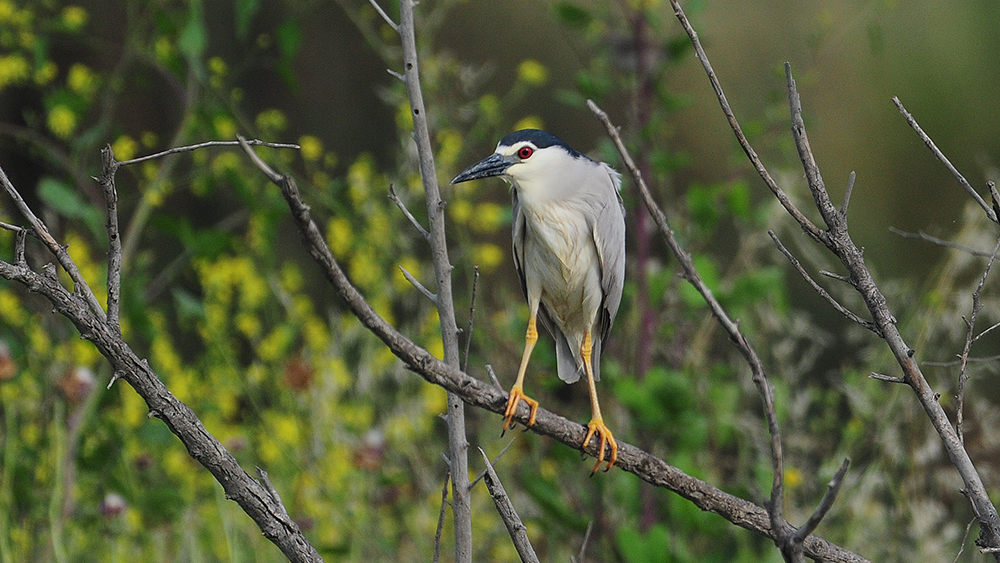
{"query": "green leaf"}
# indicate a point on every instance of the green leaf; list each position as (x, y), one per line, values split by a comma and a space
(65, 201)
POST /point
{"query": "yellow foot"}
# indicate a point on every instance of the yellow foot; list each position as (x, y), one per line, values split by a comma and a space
(516, 395)
(604, 436)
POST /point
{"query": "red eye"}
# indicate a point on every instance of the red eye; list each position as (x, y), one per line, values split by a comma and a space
(525, 152)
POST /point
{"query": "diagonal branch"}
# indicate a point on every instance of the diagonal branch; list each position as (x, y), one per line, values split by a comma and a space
(518, 532)
(819, 289)
(486, 396)
(912, 121)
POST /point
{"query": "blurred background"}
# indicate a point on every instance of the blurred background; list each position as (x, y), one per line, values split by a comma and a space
(221, 298)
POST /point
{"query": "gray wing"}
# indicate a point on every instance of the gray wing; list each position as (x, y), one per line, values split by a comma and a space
(609, 237)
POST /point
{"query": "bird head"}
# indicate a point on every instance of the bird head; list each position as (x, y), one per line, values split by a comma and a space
(522, 157)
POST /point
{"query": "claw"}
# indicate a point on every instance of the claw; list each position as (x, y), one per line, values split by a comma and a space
(604, 436)
(517, 395)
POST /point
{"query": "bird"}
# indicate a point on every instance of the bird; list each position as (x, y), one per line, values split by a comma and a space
(569, 252)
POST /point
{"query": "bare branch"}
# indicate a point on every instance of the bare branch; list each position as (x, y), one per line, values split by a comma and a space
(941, 242)
(189, 148)
(107, 181)
(420, 287)
(944, 160)
(384, 15)
(963, 373)
(444, 505)
(518, 532)
(406, 212)
(887, 378)
(252, 497)
(819, 289)
(841, 244)
(847, 194)
(472, 318)
(832, 488)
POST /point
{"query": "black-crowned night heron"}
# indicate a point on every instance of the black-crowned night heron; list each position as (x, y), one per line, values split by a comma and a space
(569, 251)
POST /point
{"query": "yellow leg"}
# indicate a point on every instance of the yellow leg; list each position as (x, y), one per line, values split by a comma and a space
(596, 425)
(517, 391)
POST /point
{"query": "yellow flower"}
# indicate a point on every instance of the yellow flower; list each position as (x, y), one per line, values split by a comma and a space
(488, 256)
(74, 17)
(81, 80)
(793, 477)
(338, 236)
(46, 73)
(489, 105)
(61, 121)
(532, 72)
(7, 10)
(271, 120)
(13, 69)
(489, 217)
(312, 147)
(124, 148)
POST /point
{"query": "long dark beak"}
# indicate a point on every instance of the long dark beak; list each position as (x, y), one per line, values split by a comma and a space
(494, 165)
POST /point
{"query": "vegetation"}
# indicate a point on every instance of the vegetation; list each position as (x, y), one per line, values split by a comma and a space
(222, 299)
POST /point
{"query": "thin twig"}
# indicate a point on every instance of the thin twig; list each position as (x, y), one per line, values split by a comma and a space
(944, 159)
(965, 537)
(189, 148)
(518, 532)
(847, 194)
(832, 488)
(496, 460)
(440, 525)
(838, 277)
(819, 289)
(472, 318)
(493, 376)
(384, 15)
(963, 373)
(586, 540)
(887, 378)
(420, 287)
(940, 242)
(406, 212)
